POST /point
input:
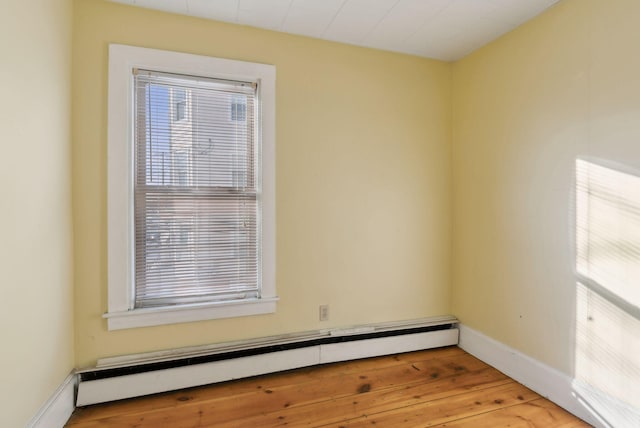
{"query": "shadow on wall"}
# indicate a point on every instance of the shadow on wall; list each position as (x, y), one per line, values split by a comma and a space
(607, 360)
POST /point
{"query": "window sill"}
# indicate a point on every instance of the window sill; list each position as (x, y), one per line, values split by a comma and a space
(188, 313)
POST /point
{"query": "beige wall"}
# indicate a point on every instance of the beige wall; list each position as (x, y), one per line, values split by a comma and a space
(363, 179)
(35, 220)
(563, 86)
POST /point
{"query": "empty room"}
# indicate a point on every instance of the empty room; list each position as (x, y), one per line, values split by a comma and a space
(253, 213)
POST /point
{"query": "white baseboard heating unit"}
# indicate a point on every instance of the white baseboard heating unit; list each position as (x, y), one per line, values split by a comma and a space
(143, 374)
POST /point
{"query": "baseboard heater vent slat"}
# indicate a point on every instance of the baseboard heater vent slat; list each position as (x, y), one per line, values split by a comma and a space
(160, 373)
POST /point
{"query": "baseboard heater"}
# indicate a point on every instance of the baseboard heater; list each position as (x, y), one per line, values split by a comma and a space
(132, 376)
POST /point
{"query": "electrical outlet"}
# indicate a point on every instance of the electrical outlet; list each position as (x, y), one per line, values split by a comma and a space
(324, 312)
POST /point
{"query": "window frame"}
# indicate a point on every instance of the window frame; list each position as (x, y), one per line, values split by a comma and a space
(123, 59)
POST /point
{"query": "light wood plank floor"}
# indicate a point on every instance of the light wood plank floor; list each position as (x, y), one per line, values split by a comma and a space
(443, 387)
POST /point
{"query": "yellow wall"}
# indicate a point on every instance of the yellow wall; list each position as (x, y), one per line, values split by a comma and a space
(35, 220)
(562, 86)
(363, 179)
(364, 193)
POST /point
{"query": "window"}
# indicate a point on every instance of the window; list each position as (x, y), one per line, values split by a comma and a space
(191, 194)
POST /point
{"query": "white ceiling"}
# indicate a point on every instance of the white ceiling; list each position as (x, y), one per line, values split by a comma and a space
(440, 29)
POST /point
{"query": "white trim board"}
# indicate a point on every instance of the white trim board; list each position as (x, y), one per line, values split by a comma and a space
(553, 384)
(58, 408)
(151, 382)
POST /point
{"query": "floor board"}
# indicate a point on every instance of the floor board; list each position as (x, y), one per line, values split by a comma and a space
(443, 387)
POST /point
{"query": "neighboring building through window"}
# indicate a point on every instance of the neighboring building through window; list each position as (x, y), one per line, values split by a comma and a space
(239, 108)
(202, 209)
(180, 103)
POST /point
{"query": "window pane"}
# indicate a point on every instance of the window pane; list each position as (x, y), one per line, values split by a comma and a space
(196, 191)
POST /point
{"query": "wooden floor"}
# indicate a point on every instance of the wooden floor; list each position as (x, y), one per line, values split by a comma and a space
(437, 388)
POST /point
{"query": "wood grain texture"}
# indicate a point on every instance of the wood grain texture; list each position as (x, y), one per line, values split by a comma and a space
(442, 387)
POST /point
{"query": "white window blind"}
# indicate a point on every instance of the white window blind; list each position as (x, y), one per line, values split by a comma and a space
(196, 191)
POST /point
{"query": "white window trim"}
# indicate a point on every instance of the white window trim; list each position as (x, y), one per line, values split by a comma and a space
(122, 60)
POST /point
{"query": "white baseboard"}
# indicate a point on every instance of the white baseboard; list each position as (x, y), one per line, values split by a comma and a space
(151, 382)
(557, 386)
(335, 352)
(553, 384)
(58, 408)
